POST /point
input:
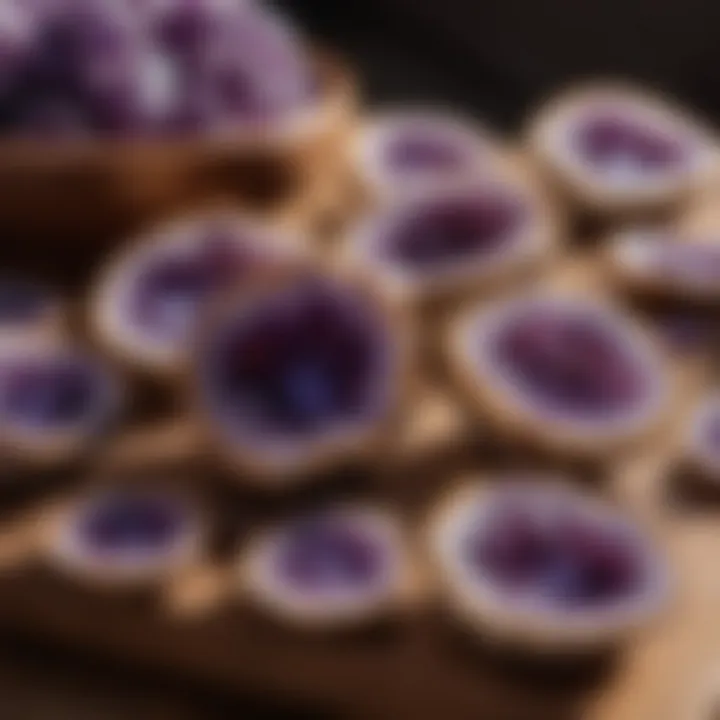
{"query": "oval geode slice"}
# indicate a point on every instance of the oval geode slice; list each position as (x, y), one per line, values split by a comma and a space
(667, 263)
(304, 370)
(539, 564)
(615, 149)
(404, 153)
(126, 535)
(54, 400)
(147, 303)
(330, 567)
(565, 371)
(454, 241)
(702, 446)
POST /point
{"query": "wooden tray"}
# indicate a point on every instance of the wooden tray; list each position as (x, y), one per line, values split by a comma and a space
(423, 667)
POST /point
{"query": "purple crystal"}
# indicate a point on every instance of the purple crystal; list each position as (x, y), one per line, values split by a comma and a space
(328, 553)
(448, 230)
(565, 559)
(570, 361)
(612, 140)
(414, 151)
(307, 358)
(168, 294)
(51, 393)
(131, 522)
(692, 263)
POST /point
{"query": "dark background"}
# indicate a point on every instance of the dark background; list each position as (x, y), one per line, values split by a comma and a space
(497, 58)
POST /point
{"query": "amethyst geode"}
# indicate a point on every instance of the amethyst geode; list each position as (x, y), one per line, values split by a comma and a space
(615, 149)
(125, 533)
(452, 239)
(47, 393)
(148, 305)
(530, 553)
(312, 362)
(562, 364)
(400, 152)
(120, 68)
(333, 564)
(669, 263)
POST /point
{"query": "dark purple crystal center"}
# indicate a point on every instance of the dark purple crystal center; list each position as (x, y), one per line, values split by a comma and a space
(329, 553)
(451, 230)
(571, 561)
(50, 393)
(611, 141)
(303, 360)
(168, 294)
(570, 362)
(122, 523)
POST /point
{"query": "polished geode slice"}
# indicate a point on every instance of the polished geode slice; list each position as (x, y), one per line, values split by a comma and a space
(308, 361)
(462, 233)
(545, 550)
(566, 360)
(155, 295)
(43, 393)
(418, 149)
(673, 261)
(704, 436)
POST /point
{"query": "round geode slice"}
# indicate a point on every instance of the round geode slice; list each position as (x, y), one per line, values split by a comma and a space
(416, 151)
(124, 535)
(569, 372)
(148, 302)
(305, 369)
(537, 562)
(333, 566)
(54, 400)
(702, 447)
(616, 149)
(454, 240)
(667, 263)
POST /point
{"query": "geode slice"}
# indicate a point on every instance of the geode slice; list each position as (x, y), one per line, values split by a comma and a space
(563, 362)
(416, 150)
(150, 305)
(452, 239)
(541, 555)
(125, 533)
(51, 392)
(617, 149)
(668, 262)
(309, 362)
(330, 564)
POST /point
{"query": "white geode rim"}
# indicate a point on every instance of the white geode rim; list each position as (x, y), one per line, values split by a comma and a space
(47, 350)
(481, 602)
(552, 138)
(262, 580)
(696, 446)
(632, 253)
(473, 337)
(529, 238)
(370, 143)
(71, 554)
(276, 454)
(111, 304)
